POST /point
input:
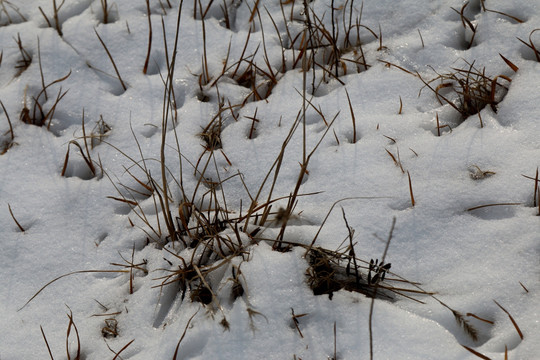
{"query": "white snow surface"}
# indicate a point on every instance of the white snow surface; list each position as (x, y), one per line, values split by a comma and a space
(469, 258)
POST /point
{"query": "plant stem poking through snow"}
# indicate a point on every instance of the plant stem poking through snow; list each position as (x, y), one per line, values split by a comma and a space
(372, 305)
(147, 60)
(511, 319)
(410, 189)
(16, 222)
(183, 335)
(112, 61)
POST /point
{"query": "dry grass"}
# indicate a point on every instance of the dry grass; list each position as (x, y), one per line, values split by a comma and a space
(85, 152)
(26, 58)
(15, 220)
(148, 14)
(203, 239)
(105, 10)
(5, 145)
(531, 45)
(70, 353)
(54, 23)
(6, 10)
(36, 114)
(468, 90)
(124, 86)
(518, 330)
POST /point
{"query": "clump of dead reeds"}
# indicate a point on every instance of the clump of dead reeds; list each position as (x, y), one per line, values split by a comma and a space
(468, 90)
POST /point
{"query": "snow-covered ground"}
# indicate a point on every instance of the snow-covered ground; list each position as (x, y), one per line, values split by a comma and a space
(378, 143)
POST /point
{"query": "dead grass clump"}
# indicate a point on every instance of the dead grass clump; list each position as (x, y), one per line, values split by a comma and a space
(468, 90)
(330, 271)
(37, 114)
(202, 264)
(335, 46)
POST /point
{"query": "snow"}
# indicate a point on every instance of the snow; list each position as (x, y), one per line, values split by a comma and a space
(467, 254)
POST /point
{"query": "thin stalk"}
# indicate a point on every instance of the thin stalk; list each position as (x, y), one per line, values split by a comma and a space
(112, 61)
(376, 288)
(166, 104)
(145, 68)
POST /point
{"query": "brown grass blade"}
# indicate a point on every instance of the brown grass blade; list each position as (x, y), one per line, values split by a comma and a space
(353, 117)
(69, 274)
(16, 222)
(507, 15)
(511, 319)
(145, 67)
(481, 356)
(481, 319)
(70, 325)
(183, 335)
(410, 189)
(112, 61)
(8, 119)
(122, 349)
(536, 192)
(489, 205)
(509, 63)
(134, 203)
(46, 342)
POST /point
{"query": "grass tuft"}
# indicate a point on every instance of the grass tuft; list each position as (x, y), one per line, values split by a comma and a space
(38, 116)
(471, 90)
